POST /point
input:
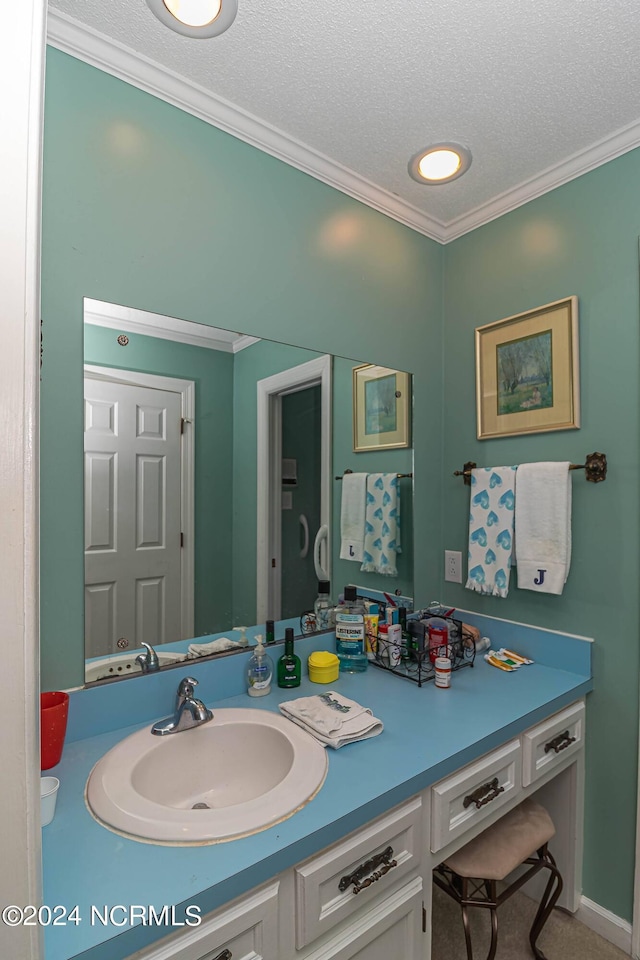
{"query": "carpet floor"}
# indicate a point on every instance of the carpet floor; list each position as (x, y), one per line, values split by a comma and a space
(563, 938)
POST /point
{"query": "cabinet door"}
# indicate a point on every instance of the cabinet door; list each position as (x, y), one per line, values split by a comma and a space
(247, 930)
(391, 931)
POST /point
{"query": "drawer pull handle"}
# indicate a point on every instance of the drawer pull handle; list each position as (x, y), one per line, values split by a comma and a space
(484, 794)
(225, 955)
(376, 867)
(561, 742)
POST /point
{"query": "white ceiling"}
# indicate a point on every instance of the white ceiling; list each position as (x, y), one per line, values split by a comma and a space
(539, 91)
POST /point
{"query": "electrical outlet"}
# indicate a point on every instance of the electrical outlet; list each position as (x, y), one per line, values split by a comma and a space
(453, 566)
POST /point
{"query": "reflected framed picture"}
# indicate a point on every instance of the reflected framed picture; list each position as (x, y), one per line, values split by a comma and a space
(381, 408)
(527, 372)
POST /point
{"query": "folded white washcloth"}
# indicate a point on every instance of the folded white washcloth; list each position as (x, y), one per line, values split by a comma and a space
(543, 526)
(332, 719)
(352, 516)
(214, 646)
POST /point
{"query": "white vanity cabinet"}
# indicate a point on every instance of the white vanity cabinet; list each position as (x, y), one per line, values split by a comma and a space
(368, 896)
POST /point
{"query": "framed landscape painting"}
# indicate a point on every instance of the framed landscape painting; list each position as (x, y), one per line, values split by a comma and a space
(381, 406)
(527, 372)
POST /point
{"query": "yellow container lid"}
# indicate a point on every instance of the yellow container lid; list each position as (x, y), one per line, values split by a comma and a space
(322, 658)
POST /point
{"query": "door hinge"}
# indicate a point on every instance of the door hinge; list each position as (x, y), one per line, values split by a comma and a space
(181, 539)
(273, 561)
(183, 420)
(424, 919)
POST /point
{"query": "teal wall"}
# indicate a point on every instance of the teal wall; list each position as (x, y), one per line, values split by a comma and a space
(212, 373)
(579, 239)
(146, 206)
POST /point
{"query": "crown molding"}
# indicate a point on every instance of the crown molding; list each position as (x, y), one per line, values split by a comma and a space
(623, 140)
(98, 313)
(72, 37)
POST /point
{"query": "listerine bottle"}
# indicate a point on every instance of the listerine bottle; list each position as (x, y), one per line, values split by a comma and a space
(289, 667)
(350, 634)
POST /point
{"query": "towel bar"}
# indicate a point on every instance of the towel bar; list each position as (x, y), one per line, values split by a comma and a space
(400, 476)
(595, 468)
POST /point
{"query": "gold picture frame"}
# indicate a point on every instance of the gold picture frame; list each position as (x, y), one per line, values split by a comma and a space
(528, 373)
(381, 408)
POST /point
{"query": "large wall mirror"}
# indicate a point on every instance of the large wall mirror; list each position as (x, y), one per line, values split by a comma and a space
(212, 497)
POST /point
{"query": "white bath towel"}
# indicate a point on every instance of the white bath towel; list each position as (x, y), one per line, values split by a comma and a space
(382, 524)
(543, 526)
(491, 530)
(352, 516)
(332, 719)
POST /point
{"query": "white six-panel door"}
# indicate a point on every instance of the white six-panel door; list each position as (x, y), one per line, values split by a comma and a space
(132, 515)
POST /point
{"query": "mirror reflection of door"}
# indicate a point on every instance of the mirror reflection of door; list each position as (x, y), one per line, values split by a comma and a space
(133, 512)
(301, 517)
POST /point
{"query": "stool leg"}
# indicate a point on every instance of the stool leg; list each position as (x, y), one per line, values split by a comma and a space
(547, 903)
(465, 919)
(494, 920)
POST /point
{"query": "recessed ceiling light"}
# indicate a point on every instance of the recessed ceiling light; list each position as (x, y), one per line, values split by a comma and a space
(199, 19)
(440, 163)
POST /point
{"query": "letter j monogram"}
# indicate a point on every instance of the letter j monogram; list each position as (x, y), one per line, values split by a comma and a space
(539, 580)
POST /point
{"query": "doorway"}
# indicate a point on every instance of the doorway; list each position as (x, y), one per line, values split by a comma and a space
(138, 509)
(308, 560)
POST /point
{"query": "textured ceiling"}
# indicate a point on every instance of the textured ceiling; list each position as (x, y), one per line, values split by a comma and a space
(525, 85)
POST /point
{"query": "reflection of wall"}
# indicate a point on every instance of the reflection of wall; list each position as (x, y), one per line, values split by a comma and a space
(212, 372)
(382, 461)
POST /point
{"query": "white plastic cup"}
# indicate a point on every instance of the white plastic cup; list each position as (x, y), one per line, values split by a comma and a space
(48, 796)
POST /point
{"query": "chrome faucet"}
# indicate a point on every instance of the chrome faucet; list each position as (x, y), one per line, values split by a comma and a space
(190, 712)
(148, 660)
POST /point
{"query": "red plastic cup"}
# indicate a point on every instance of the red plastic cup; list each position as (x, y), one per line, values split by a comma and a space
(54, 708)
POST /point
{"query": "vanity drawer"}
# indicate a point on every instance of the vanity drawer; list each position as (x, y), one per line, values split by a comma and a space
(548, 744)
(472, 794)
(248, 930)
(330, 887)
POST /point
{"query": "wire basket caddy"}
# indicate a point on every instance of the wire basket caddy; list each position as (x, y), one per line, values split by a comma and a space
(417, 659)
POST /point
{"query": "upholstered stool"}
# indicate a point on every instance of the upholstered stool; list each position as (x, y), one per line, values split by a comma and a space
(471, 875)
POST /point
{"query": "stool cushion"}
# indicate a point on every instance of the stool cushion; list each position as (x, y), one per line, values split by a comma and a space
(505, 845)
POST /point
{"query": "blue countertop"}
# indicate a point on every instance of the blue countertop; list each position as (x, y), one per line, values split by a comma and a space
(428, 733)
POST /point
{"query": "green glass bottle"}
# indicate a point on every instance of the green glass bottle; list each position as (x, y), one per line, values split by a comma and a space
(289, 668)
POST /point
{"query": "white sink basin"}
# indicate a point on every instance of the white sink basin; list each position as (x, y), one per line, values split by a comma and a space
(248, 768)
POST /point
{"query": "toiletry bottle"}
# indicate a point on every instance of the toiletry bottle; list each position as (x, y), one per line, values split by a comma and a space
(242, 639)
(394, 633)
(289, 668)
(371, 630)
(383, 643)
(259, 671)
(407, 639)
(350, 633)
(323, 608)
(269, 632)
(438, 638)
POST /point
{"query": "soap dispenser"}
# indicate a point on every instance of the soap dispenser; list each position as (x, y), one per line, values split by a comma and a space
(259, 671)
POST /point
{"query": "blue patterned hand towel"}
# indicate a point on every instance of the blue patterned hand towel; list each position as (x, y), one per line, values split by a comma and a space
(382, 524)
(491, 529)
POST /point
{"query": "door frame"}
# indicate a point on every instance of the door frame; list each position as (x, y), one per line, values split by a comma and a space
(187, 391)
(269, 472)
